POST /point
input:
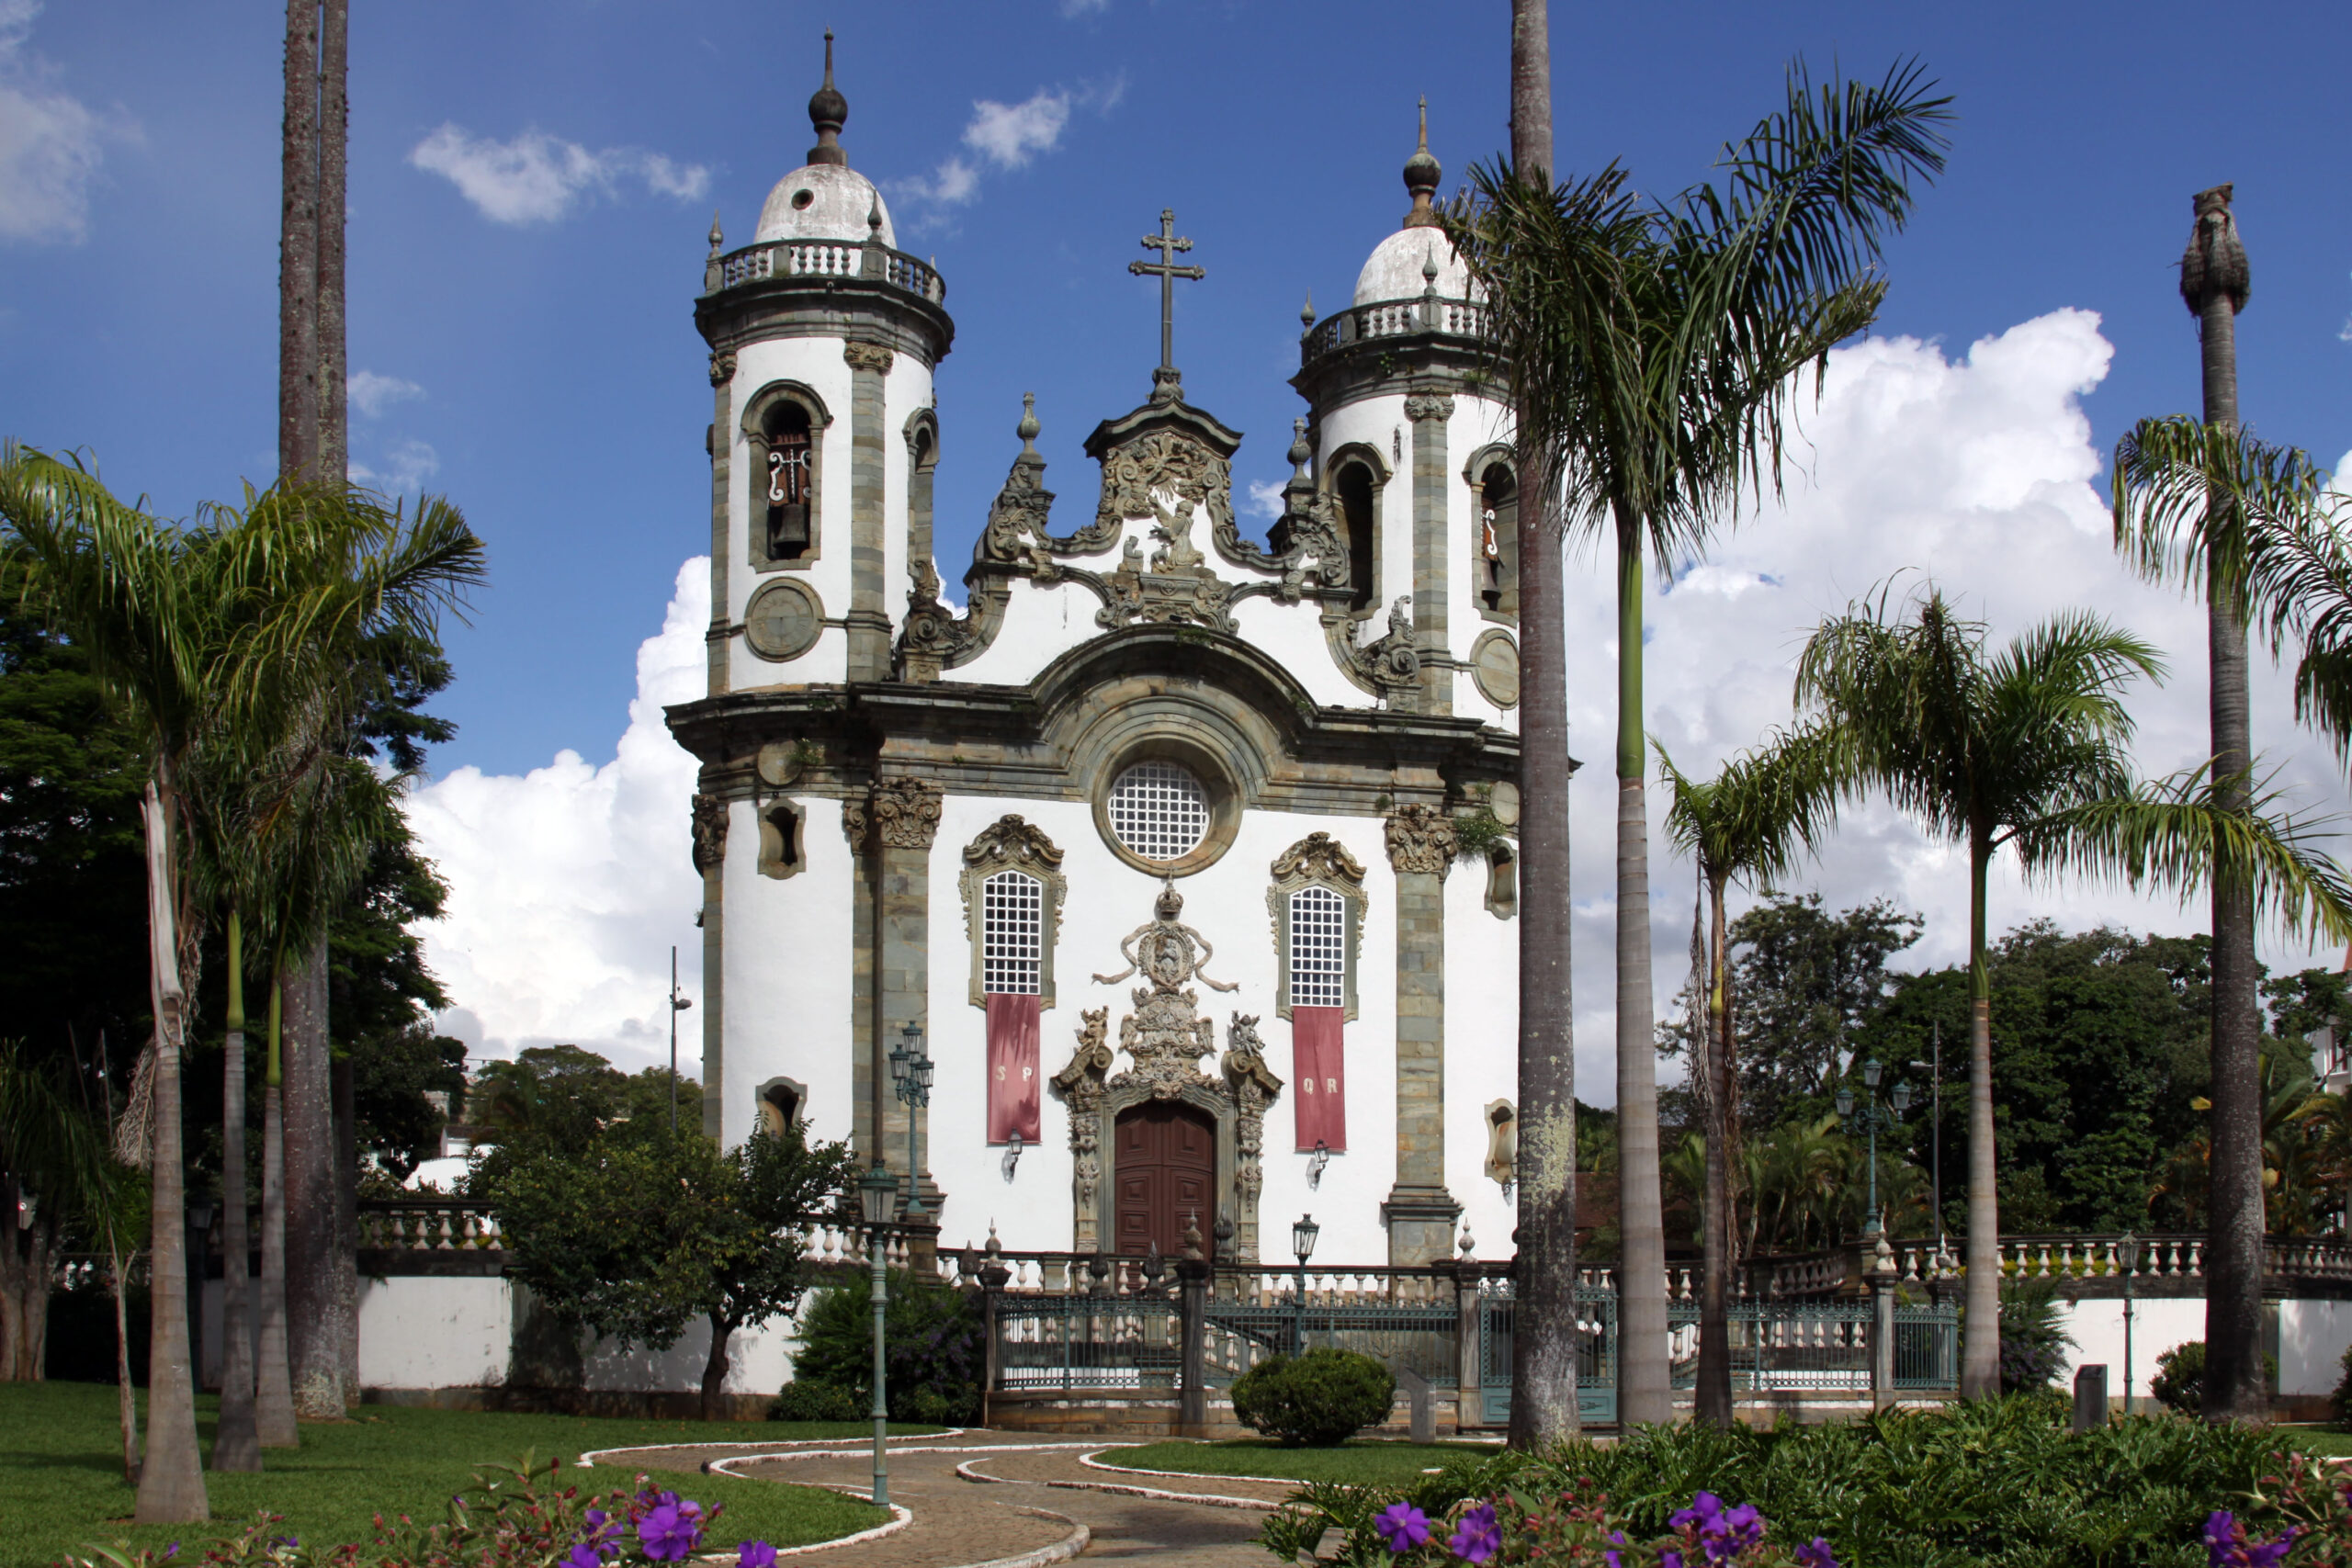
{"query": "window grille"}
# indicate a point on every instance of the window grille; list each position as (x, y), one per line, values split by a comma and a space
(1013, 920)
(1158, 811)
(1318, 961)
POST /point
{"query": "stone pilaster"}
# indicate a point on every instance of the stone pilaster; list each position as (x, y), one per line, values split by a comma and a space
(1432, 592)
(1419, 1212)
(903, 818)
(867, 1110)
(722, 465)
(710, 860)
(869, 621)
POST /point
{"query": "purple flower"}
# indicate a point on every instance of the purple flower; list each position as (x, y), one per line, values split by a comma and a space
(668, 1533)
(1480, 1537)
(1669, 1559)
(2268, 1554)
(1402, 1526)
(1704, 1509)
(172, 1551)
(755, 1554)
(582, 1555)
(1815, 1554)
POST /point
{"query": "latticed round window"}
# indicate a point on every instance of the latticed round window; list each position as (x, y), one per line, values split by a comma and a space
(1158, 811)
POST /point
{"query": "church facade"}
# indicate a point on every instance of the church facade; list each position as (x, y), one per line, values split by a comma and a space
(1185, 858)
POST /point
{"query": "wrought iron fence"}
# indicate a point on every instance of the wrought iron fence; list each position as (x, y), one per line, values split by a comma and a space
(1059, 1343)
(1423, 1338)
(1596, 1351)
(1926, 1345)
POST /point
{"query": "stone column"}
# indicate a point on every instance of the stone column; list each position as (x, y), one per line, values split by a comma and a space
(710, 860)
(1419, 1212)
(1433, 590)
(869, 621)
(904, 818)
(722, 465)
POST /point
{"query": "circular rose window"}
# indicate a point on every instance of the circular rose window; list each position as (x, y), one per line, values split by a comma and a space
(1158, 811)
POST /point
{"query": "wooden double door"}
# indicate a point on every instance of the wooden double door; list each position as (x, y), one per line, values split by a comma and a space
(1166, 1176)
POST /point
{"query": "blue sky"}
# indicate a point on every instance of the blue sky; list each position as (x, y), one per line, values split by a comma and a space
(560, 380)
(531, 185)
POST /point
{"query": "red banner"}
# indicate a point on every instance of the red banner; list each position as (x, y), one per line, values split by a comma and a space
(1012, 1067)
(1322, 1091)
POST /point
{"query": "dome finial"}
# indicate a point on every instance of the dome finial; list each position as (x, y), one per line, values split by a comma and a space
(1307, 312)
(1422, 173)
(1028, 427)
(828, 111)
(716, 237)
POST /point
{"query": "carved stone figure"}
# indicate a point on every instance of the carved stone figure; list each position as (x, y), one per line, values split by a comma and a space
(711, 832)
(934, 638)
(867, 356)
(722, 369)
(1420, 840)
(1080, 1085)
(1391, 664)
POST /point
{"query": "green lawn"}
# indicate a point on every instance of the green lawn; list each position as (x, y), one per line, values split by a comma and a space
(2318, 1439)
(61, 1472)
(1364, 1461)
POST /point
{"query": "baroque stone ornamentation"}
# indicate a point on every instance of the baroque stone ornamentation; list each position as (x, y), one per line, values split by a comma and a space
(1316, 861)
(1420, 840)
(905, 812)
(1012, 842)
(868, 356)
(711, 832)
(933, 638)
(1418, 408)
(1080, 1085)
(1162, 462)
(1390, 665)
(1318, 857)
(722, 369)
(854, 823)
(1252, 1085)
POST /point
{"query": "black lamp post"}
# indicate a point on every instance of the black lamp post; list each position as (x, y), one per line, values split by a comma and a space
(2127, 1252)
(875, 1190)
(1871, 1118)
(200, 1237)
(1302, 1245)
(911, 1071)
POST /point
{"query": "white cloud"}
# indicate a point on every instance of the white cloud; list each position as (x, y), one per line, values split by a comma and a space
(953, 184)
(405, 468)
(537, 178)
(1009, 135)
(1265, 498)
(371, 394)
(567, 885)
(1979, 472)
(50, 143)
(1075, 8)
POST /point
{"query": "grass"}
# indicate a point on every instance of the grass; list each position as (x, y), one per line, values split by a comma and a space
(2318, 1439)
(61, 1473)
(1363, 1461)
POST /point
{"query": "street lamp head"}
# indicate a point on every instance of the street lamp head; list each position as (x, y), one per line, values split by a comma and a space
(913, 1033)
(899, 1063)
(2128, 1252)
(1870, 1070)
(1302, 1238)
(877, 1190)
(921, 1069)
(1902, 1098)
(199, 1213)
(1845, 1102)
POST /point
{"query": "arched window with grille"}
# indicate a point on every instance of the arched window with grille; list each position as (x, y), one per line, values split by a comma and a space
(1318, 903)
(1012, 898)
(1012, 928)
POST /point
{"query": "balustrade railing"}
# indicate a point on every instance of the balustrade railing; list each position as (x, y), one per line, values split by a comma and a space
(827, 259)
(1393, 318)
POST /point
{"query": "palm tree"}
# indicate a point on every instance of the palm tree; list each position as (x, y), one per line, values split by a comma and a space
(1651, 353)
(1748, 823)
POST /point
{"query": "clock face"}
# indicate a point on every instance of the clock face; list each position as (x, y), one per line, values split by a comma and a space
(783, 620)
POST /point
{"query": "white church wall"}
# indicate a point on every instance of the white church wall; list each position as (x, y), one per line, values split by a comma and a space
(788, 972)
(815, 363)
(1477, 424)
(1481, 1048)
(906, 391)
(1292, 635)
(1040, 623)
(2095, 1324)
(434, 1332)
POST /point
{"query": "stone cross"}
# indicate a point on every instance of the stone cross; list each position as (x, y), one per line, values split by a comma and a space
(1167, 244)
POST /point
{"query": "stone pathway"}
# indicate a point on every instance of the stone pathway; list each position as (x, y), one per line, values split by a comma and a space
(1015, 1504)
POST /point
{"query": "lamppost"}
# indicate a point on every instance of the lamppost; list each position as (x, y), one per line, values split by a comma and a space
(1302, 1243)
(875, 1190)
(2127, 1252)
(911, 1070)
(678, 1004)
(198, 1254)
(1871, 1116)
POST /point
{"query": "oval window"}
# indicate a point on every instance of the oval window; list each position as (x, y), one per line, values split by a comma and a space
(1158, 811)
(801, 198)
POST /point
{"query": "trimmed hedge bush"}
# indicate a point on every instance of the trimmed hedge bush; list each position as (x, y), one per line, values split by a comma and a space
(1319, 1400)
(804, 1401)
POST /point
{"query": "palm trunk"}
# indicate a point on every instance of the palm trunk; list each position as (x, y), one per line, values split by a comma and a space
(1980, 1371)
(313, 1324)
(273, 1382)
(237, 1444)
(347, 1230)
(1712, 1395)
(1544, 1342)
(171, 1482)
(2234, 1388)
(334, 125)
(1644, 1389)
(298, 249)
(714, 1372)
(126, 1403)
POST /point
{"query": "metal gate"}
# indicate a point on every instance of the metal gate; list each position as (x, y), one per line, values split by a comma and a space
(1596, 1352)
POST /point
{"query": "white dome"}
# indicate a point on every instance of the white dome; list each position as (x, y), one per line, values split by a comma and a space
(1394, 270)
(823, 201)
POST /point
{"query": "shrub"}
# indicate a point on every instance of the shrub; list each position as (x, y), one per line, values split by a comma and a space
(805, 1401)
(1319, 1400)
(2034, 1340)
(2179, 1382)
(2342, 1398)
(935, 1348)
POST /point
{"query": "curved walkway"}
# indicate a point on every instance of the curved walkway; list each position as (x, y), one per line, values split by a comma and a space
(997, 1500)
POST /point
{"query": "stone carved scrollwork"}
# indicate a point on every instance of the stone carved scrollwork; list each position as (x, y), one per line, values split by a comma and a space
(1252, 1085)
(1420, 840)
(1418, 408)
(868, 356)
(1080, 1085)
(854, 823)
(711, 832)
(905, 812)
(722, 369)
(1162, 462)
(933, 638)
(1318, 857)
(1389, 665)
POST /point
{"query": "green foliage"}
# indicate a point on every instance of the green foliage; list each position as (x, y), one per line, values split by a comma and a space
(934, 1344)
(562, 1098)
(1996, 1484)
(1476, 833)
(2179, 1382)
(803, 1401)
(2341, 1399)
(1316, 1400)
(2034, 1340)
(1806, 982)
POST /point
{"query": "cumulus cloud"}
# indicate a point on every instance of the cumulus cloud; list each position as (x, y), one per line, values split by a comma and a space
(568, 885)
(371, 394)
(51, 145)
(537, 178)
(1978, 472)
(1265, 498)
(404, 468)
(1004, 137)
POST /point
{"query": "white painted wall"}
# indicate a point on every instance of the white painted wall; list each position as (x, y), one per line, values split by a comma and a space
(789, 998)
(2096, 1326)
(2313, 1336)
(424, 1332)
